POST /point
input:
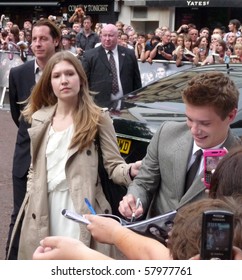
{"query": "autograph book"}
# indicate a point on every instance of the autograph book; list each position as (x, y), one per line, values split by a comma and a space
(156, 227)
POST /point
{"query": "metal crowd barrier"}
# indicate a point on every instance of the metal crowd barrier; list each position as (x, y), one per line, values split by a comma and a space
(158, 69)
(149, 71)
(7, 61)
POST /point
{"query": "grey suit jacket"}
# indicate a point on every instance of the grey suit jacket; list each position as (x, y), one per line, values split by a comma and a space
(161, 178)
(99, 73)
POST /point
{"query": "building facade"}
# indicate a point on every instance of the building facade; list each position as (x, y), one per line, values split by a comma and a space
(106, 11)
(150, 14)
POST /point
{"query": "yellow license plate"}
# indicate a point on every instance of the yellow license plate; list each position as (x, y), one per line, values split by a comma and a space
(124, 145)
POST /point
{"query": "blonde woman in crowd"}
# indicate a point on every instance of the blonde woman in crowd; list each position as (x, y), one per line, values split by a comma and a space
(98, 28)
(230, 40)
(237, 57)
(174, 36)
(180, 43)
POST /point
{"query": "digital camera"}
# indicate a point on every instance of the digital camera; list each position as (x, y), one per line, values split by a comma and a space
(160, 48)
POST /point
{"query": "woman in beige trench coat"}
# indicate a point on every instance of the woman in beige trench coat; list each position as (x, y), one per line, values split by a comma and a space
(64, 165)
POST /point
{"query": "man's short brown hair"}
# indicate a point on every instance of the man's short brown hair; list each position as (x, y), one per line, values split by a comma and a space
(212, 89)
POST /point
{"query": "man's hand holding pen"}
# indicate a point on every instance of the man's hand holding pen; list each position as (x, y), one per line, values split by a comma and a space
(133, 217)
(130, 207)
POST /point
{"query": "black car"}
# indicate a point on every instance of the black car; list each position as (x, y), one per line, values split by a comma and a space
(144, 110)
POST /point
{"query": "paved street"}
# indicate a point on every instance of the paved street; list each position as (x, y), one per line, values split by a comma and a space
(7, 140)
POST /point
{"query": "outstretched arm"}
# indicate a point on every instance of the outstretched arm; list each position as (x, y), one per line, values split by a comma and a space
(134, 246)
(65, 248)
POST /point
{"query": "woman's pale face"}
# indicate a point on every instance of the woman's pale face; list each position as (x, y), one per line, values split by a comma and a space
(21, 36)
(204, 42)
(231, 38)
(238, 51)
(239, 40)
(187, 44)
(219, 48)
(141, 39)
(214, 39)
(65, 81)
(180, 41)
(174, 37)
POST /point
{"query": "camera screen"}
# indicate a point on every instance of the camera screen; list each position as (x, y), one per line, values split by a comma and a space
(211, 164)
(218, 236)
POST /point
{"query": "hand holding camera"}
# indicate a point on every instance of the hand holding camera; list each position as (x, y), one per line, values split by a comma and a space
(79, 11)
(183, 28)
(160, 47)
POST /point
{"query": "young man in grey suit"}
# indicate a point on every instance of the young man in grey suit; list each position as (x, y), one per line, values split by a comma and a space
(45, 42)
(99, 72)
(211, 101)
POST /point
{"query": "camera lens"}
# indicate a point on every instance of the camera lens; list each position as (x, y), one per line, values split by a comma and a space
(160, 48)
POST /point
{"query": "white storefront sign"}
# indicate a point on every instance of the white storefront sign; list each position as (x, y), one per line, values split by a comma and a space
(197, 3)
(90, 8)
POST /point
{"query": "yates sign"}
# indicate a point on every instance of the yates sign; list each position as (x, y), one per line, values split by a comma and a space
(197, 3)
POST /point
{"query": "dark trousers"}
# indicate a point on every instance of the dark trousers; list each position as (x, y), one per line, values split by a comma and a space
(19, 190)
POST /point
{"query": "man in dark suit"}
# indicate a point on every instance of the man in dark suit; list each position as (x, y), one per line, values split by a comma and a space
(211, 101)
(45, 42)
(100, 76)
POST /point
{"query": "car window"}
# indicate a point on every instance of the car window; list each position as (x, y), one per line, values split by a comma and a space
(162, 98)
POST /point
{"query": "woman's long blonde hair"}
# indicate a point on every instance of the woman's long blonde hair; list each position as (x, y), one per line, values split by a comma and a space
(86, 114)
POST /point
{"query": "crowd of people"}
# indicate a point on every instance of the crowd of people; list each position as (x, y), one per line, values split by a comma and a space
(188, 43)
(59, 115)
